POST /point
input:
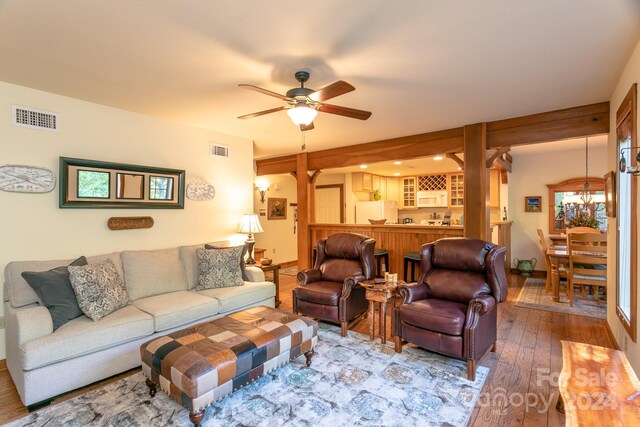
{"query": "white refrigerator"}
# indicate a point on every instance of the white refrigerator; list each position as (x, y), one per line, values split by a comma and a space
(382, 209)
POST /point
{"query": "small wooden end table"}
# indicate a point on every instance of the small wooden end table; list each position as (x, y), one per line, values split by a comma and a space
(275, 268)
(380, 293)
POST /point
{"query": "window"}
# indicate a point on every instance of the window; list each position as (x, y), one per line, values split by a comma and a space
(626, 288)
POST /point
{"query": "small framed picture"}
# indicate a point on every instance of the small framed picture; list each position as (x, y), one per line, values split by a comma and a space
(533, 204)
(276, 208)
(610, 194)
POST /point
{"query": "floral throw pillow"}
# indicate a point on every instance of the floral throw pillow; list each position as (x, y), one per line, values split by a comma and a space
(99, 289)
(219, 268)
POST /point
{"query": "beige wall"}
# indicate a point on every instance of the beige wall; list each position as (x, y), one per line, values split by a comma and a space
(33, 227)
(630, 75)
(531, 174)
(278, 238)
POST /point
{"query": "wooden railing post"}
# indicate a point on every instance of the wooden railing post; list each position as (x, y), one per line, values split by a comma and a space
(304, 245)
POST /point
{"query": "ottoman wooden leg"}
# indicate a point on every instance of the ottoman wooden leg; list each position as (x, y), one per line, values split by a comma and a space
(197, 417)
(309, 354)
(152, 387)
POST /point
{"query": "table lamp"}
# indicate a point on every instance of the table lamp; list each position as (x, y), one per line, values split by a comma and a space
(250, 224)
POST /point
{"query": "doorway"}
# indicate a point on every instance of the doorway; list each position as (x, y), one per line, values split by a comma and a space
(330, 204)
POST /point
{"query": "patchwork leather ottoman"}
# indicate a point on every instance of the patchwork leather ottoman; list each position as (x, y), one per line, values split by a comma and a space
(200, 365)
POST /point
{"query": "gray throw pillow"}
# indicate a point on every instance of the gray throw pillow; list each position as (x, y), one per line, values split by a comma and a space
(54, 290)
(219, 268)
(243, 265)
(99, 289)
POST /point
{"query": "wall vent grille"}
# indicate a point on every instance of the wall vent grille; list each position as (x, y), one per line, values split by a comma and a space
(35, 119)
(218, 150)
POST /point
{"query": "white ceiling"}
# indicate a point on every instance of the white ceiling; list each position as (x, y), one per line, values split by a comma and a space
(418, 65)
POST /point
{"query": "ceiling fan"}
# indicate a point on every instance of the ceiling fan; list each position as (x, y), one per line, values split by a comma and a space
(303, 103)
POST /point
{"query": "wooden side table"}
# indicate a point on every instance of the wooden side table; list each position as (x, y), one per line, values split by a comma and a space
(380, 294)
(275, 268)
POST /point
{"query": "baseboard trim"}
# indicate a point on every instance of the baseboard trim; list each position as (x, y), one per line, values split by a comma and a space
(538, 274)
(612, 339)
(289, 264)
(3, 364)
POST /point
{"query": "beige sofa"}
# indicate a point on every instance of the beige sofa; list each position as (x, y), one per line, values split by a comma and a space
(163, 299)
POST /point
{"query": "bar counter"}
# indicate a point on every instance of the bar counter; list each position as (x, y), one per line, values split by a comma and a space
(398, 239)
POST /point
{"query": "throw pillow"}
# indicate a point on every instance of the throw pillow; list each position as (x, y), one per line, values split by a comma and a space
(98, 288)
(54, 289)
(243, 265)
(219, 268)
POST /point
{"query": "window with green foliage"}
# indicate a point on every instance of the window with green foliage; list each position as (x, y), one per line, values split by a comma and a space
(93, 184)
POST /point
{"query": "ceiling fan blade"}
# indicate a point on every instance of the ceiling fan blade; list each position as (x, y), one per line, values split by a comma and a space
(307, 127)
(262, 113)
(345, 111)
(331, 91)
(266, 92)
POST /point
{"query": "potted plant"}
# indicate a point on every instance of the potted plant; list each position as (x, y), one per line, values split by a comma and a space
(582, 219)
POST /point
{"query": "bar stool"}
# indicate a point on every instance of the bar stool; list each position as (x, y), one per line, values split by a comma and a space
(412, 258)
(379, 254)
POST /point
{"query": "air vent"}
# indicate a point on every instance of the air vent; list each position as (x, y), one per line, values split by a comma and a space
(35, 119)
(218, 150)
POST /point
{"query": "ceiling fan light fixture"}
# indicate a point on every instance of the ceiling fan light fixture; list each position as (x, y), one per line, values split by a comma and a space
(302, 114)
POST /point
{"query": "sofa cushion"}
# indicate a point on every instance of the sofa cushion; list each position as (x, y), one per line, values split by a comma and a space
(191, 263)
(243, 264)
(325, 293)
(436, 315)
(219, 268)
(18, 291)
(53, 288)
(83, 336)
(148, 273)
(99, 289)
(231, 299)
(177, 308)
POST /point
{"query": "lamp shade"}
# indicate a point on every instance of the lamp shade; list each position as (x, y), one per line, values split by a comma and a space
(302, 114)
(250, 224)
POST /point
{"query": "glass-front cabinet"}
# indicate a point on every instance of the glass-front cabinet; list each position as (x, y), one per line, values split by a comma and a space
(408, 187)
(456, 190)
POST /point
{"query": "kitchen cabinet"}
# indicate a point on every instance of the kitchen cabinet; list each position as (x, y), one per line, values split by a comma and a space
(375, 182)
(393, 189)
(494, 188)
(361, 181)
(408, 188)
(455, 184)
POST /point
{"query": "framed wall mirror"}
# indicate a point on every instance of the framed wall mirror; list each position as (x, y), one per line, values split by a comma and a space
(95, 184)
(566, 199)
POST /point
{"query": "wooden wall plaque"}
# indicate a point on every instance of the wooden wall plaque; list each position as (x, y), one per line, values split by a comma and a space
(129, 222)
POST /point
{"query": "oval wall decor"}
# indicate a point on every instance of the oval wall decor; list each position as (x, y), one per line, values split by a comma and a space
(129, 222)
(26, 179)
(200, 191)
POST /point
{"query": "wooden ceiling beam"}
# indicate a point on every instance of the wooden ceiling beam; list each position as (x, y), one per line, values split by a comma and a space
(455, 158)
(576, 122)
(496, 155)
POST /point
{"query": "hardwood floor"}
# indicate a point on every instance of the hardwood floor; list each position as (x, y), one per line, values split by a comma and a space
(517, 392)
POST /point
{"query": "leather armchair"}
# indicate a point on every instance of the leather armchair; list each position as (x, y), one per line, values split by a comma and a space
(452, 309)
(330, 290)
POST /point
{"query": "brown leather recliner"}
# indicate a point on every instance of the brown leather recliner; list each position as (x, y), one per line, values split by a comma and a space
(452, 308)
(330, 290)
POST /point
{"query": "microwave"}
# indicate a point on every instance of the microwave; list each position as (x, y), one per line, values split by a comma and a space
(432, 199)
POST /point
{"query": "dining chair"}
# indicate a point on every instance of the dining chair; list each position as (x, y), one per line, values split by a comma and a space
(587, 262)
(562, 269)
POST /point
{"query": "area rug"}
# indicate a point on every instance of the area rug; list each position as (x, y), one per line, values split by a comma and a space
(532, 295)
(289, 271)
(352, 381)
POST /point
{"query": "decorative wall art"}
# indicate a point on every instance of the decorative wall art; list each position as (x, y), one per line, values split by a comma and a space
(26, 179)
(92, 184)
(129, 222)
(533, 204)
(200, 191)
(276, 208)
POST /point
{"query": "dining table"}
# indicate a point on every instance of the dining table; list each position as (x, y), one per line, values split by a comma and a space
(559, 255)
